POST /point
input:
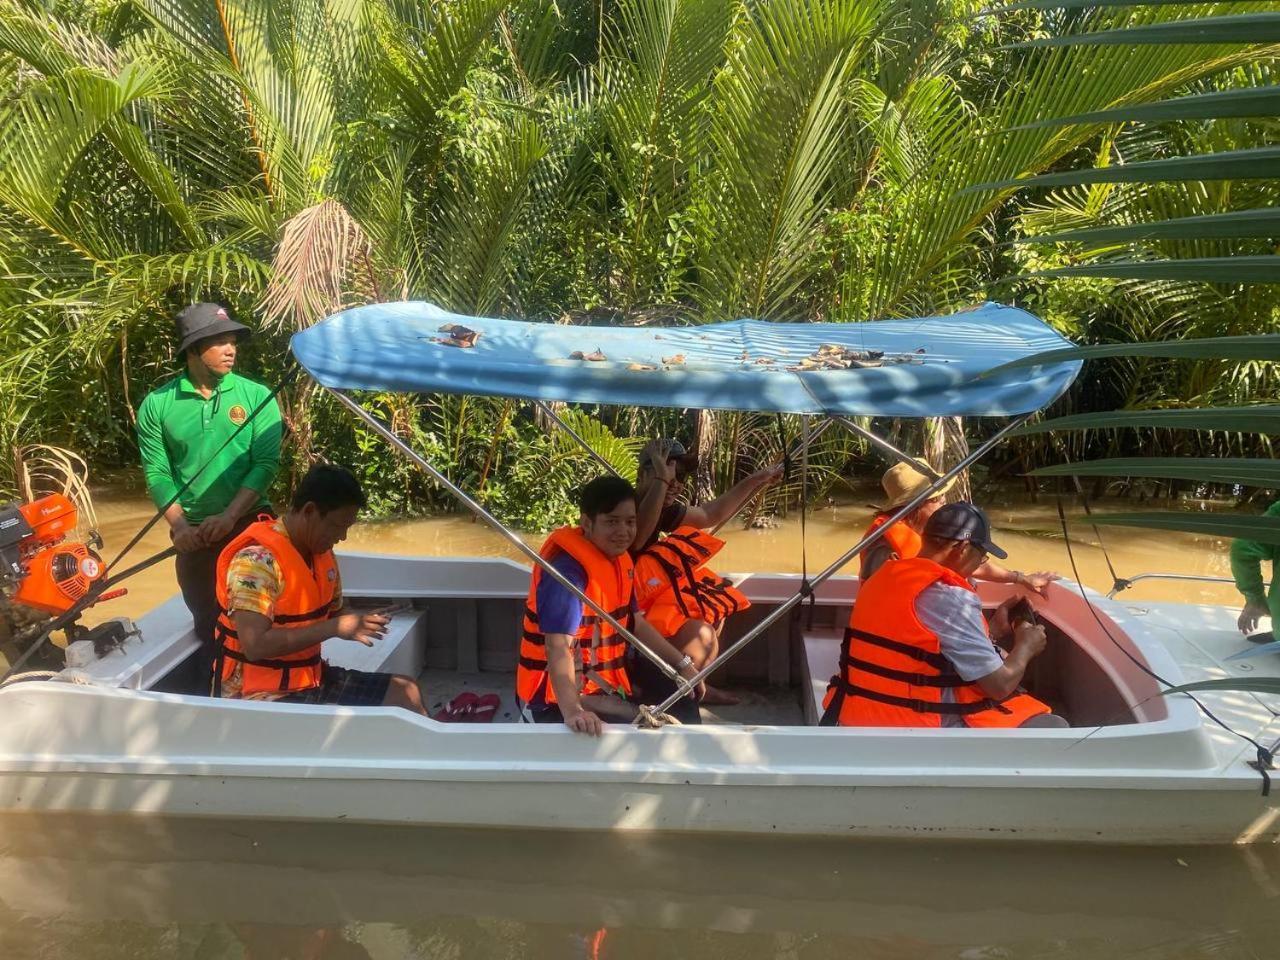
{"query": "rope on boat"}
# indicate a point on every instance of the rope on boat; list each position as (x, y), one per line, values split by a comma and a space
(648, 718)
(54, 675)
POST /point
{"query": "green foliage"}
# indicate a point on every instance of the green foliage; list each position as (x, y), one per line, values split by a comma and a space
(650, 160)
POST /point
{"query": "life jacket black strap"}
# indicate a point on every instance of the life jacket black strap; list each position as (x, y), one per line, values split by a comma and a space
(273, 664)
(935, 660)
(948, 679)
(317, 614)
(922, 706)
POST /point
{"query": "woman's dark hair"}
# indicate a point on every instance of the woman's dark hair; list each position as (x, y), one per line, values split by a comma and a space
(330, 487)
(603, 494)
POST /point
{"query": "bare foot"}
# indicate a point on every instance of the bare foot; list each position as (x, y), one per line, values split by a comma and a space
(715, 697)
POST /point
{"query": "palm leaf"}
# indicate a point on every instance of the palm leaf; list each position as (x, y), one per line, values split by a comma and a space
(1263, 222)
(1231, 685)
(1252, 347)
(1247, 102)
(1260, 529)
(1249, 28)
(1259, 419)
(1251, 472)
(1235, 269)
(1228, 165)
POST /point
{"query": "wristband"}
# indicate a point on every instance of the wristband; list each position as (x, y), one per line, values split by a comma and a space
(687, 661)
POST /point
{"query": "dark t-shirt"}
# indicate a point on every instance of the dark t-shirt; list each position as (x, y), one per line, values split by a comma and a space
(670, 518)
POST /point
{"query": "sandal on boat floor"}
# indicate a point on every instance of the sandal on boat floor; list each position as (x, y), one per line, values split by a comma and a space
(470, 707)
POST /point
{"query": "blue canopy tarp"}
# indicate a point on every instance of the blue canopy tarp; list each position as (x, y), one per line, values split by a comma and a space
(930, 365)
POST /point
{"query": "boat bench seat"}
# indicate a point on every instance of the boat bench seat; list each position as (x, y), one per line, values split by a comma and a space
(398, 651)
(818, 665)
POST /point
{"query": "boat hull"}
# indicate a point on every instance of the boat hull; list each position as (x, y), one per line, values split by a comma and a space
(187, 757)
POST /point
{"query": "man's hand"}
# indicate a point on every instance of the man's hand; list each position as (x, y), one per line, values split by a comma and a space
(700, 688)
(768, 476)
(1039, 581)
(216, 528)
(1253, 612)
(1029, 640)
(584, 721)
(186, 538)
(655, 455)
(361, 627)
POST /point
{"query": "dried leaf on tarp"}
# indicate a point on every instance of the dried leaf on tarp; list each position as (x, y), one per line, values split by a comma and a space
(675, 359)
(595, 355)
(641, 366)
(457, 336)
(765, 360)
(744, 355)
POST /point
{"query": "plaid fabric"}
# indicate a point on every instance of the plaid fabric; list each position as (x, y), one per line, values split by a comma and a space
(347, 688)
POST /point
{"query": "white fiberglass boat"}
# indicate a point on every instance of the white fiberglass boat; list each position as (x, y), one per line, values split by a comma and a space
(1136, 766)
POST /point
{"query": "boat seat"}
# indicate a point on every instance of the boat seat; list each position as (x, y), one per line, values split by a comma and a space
(400, 650)
(819, 663)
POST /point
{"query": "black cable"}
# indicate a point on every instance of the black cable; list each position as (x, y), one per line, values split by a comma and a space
(1265, 756)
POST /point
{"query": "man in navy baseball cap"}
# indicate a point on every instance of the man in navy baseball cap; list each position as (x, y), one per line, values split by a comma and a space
(964, 523)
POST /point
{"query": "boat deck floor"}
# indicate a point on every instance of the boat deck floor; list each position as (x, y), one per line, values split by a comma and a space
(772, 706)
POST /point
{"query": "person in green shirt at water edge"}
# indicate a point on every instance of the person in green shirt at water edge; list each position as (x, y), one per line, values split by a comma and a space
(184, 426)
(1246, 567)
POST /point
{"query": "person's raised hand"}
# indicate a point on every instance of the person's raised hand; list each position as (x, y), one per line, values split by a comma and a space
(1029, 637)
(769, 475)
(1040, 580)
(585, 722)
(361, 627)
(1250, 615)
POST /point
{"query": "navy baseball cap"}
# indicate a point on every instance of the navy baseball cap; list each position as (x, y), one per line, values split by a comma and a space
(963, 522)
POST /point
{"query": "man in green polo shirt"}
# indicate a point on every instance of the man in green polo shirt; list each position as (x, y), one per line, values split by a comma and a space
(1247, 557)
(183, 431)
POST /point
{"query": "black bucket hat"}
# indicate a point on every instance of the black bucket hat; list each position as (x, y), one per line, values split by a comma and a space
(202, 320)
(963, 522)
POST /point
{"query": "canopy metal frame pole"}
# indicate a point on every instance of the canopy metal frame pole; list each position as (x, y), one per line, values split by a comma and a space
(461, 495)
(884, 445)
(683, 686)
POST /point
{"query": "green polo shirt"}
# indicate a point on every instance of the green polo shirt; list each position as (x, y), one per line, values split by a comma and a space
(179, 431)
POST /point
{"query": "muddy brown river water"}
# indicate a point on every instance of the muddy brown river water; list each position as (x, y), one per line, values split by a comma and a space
(117, 888)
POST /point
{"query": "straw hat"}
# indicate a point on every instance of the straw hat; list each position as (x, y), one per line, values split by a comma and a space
(903, 482)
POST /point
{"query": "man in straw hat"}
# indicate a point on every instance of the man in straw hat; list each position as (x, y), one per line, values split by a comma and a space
(198, 446)
(902, 483)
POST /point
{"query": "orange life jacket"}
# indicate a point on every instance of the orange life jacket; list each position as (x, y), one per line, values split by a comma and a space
(674, 585)
(598, 649)
(901, 538)
(892, 670)
(307, 596)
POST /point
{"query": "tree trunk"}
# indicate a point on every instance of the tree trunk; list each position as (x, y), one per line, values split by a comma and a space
(702, 432)
(945, 445)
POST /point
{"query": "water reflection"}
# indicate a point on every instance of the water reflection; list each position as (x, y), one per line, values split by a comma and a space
(142, 888)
